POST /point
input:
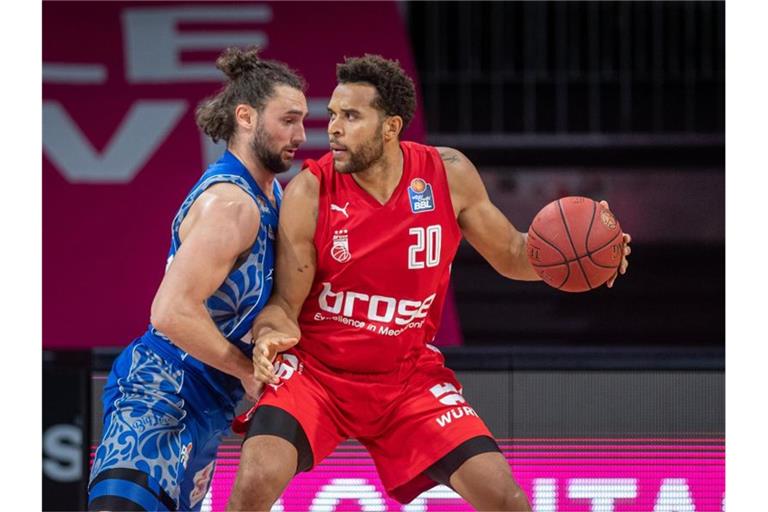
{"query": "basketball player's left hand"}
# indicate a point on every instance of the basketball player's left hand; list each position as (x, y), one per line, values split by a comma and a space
(267, 347)
(627, 252)
(252, 387)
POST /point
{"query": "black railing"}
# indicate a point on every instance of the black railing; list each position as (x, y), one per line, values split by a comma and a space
(554, 68)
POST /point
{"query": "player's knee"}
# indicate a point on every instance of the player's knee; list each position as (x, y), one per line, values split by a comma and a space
(256, 487)
(505, 493)
(512, 497)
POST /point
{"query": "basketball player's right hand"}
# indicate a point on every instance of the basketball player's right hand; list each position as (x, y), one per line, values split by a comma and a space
(268, 345)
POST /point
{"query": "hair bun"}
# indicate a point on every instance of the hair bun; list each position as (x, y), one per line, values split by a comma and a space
(236, 61)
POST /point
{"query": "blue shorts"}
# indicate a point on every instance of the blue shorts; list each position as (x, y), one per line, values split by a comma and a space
(162, 422)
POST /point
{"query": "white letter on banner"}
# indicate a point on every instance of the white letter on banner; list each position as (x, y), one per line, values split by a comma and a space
(602, 491)
(278, 506)
(144, 128)
(153, 42)
(544, 495)
(61, 446)
(674, 496)
(440, 492)
(348, 488)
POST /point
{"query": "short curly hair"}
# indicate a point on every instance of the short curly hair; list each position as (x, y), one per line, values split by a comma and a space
(396, 94)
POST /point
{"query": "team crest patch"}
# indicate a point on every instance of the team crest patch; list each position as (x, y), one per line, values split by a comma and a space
(420, 195)
(340, 248)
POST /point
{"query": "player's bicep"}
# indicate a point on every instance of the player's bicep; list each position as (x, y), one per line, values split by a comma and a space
(296, 255)
(209, 251)
(481, 222)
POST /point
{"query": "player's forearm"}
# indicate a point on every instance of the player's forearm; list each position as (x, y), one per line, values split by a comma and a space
(191, 329)
(276, 317)
(518, 265)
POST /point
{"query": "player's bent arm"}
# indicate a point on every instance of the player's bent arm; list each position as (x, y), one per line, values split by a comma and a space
(296, 258)
(481, 223)
(221, 225)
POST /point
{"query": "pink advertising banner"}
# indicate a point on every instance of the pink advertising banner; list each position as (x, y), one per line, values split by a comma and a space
(558, 475)
(121, 81)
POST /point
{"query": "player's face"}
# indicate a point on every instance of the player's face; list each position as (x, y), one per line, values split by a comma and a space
(280, 129)
(354, 128)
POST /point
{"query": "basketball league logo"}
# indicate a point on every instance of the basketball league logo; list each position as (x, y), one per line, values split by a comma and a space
(340, 248)
(420, 196)
(608, 219)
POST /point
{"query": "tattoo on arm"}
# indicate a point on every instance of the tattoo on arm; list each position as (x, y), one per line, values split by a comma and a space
(450, 158)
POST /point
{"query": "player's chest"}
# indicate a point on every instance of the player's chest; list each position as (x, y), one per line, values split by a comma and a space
(385, 238)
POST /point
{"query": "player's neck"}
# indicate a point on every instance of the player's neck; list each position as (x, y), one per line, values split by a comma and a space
(264, 178)
(381, 179)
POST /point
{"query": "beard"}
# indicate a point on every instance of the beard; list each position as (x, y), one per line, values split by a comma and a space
(361, 159)
(271, 160)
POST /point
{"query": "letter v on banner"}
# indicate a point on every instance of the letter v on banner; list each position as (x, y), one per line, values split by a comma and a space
(145, 126)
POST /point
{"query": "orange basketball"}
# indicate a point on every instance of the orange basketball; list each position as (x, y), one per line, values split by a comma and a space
(575, 244)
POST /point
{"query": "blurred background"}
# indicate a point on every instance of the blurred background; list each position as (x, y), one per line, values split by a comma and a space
(614, 393)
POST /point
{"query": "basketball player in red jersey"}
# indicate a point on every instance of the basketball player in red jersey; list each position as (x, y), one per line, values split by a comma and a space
(366, 240)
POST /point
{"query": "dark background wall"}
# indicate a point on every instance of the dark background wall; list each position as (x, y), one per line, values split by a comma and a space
(623, 101)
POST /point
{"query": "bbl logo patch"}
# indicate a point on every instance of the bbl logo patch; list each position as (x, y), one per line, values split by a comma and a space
(420, 195)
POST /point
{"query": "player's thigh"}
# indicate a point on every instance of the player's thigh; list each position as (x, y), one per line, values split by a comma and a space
(301, 411)
(482, 472)
(486, 482)
(430, 422)
(267, 465)
(144, 430)
(198, 463)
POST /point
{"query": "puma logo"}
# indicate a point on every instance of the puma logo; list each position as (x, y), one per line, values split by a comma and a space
(336, 208)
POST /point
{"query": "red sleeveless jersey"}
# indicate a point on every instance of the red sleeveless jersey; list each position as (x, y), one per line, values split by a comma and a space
(382, 270)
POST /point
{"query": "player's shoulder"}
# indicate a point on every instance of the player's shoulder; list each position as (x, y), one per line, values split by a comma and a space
(226, 197)
(452, 156)
(229, 204)
(458, 168)
(305, 185)
(320, 166)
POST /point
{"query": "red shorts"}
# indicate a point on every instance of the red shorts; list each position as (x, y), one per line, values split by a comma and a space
(407, 423)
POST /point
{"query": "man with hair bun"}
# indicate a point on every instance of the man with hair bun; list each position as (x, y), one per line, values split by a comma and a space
(360, 284)
(171, 394)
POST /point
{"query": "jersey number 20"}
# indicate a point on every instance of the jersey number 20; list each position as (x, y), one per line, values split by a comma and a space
(426, 251)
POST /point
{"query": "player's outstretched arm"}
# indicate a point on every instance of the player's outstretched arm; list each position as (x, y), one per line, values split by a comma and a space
(276, 328)
(221, 225)
(482, 224)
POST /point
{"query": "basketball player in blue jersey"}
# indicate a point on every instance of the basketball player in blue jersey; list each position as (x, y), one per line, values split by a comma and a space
(171, 394)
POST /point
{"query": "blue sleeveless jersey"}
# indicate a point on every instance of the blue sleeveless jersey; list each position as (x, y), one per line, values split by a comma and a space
(234, 306)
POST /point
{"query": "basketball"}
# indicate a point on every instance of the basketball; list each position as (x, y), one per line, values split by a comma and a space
(575, 244)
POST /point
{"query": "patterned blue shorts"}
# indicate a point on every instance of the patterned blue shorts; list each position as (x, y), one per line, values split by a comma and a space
(161, 422)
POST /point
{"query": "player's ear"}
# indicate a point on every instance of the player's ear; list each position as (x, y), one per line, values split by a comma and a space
(393, 125)
(245, 116)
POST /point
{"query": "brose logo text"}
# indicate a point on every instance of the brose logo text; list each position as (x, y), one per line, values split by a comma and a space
(378, 307)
